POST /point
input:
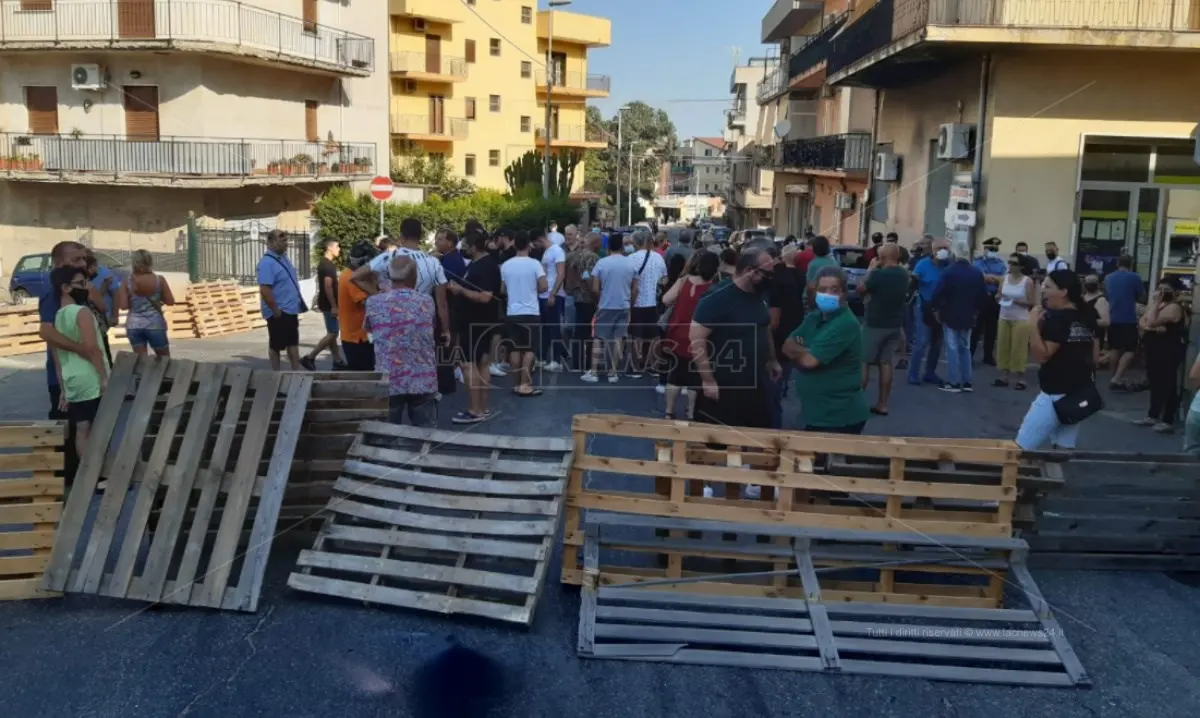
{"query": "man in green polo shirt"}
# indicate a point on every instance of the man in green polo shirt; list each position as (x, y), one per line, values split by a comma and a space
(828, 354)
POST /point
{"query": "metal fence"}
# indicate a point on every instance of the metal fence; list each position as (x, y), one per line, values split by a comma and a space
(1149, 15)
(576, 81)
(230, 254)
(848, 153)
(429, 64)
(223, 22)
(773, 85)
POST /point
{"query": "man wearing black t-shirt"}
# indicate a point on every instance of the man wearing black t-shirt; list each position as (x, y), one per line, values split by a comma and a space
(783, 303)
(478, 294)
(327, 304)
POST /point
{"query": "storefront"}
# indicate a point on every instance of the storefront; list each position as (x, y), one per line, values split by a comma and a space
(1141, 197)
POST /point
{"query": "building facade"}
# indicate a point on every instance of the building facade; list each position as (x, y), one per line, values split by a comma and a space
(469, 82)
(1009, 119)
(694, 183)
(815, 136)
(118, 119)
(748, 195)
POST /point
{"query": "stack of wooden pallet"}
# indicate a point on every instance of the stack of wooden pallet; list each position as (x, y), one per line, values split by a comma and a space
(252, 303)
(30, 503)
(19, 330)
(218, 309)
(179, 324)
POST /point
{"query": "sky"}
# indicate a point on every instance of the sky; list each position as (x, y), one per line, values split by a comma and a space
(666, 51)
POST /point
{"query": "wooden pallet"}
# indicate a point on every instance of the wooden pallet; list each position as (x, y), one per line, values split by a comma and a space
(179, 324)
(685, 622)
(212, 491)
(218, 309)
(663, 466)
(442, 521)
(252, 304)
(19, 330)
(30, 503)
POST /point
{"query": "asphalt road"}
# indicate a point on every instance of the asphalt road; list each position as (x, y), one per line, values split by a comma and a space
(1138, 634)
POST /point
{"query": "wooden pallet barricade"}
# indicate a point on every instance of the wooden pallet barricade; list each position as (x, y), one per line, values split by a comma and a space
(209, 543)
(179, 324)
(218, 308)
(19, 327)
(31, 496)
(444, 521)
(810, 629)
(252, 304)
(660, 468)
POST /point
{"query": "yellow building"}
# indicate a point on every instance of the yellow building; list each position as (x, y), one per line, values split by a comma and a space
(469, 82)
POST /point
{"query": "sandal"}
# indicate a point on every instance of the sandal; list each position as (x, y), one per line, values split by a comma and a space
(879, 412)
(466, 417)
(528, 394)
(1000, 383)
(1019, 386)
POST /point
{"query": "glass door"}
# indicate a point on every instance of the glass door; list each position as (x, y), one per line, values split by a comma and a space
(1103, 230)
(1145, 237)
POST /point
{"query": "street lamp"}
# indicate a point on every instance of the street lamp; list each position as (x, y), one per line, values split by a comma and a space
(617, 177)
(549, 90)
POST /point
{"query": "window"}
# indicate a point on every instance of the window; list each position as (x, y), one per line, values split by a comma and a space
(469, 168)
(33, 263)
(708, 153)
(494, 103)
(526, 123)
(494, 47)
(527, 15)
(36, 5)
(1105, 162)
(310, 121)
(470, 2)
(493, 158)
(470, 108)
(469, 51)
(526, 69)
(141, 112)
(309, 10)
(42, 105)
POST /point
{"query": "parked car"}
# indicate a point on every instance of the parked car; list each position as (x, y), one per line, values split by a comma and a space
(31, 275)
(853, 260)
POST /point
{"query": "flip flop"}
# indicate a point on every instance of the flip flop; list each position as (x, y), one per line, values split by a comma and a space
(528, 394)
(877, 412)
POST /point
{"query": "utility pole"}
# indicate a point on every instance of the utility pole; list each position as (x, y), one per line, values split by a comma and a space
(617, 157)
(629, 210)
(549, 106)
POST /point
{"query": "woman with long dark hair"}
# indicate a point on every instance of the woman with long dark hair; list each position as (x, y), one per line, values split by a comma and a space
(1063, 340)
(682, 297)
(1164, 339)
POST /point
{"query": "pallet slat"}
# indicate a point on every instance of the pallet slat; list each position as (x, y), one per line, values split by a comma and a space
(31, 504)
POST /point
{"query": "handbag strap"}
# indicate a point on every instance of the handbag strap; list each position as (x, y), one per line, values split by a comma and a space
(645, 261)
(285, 271)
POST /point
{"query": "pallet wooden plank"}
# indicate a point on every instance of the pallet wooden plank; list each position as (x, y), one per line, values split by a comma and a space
(408, 519)
(22, 540)
(686, 635)
(371, 565)
(821, 629)
(706, 619)
(444, 501)
(436, 542)
(31, 434)
(1050, 625)
(453, 483)
(405, 598)
(468, 438)
(473, 465)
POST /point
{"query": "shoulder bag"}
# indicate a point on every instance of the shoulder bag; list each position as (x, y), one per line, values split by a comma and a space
(299, 296)
(1078, 405)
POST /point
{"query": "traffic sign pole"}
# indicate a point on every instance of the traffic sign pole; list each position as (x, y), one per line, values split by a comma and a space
(382, 189)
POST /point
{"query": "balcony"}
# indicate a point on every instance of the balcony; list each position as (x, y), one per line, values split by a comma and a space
(788, 17)
(735, 117)
(224, 27)
(571, 27)
(806, 66)
(897, 39)
(427, 128)
(180, 161)
(773, 85)
(745, 197)
(849, 153)
(428, 68)
(435, 10)
(574, 84)
(570, 136)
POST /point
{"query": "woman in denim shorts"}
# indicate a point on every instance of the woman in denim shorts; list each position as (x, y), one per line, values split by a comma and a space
(142, 297)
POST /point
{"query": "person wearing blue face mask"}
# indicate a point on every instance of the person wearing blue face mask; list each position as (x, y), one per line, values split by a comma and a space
(928, 341)
(994, 269)
(828, 354)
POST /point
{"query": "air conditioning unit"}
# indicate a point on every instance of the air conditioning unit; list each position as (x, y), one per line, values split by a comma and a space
(955, 141)
(410, 86)
(88, 77)
(887, 167)
(418, 25)
(843, 200)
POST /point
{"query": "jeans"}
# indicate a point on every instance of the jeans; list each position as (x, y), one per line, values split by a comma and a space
(985, 330)
(958, 355)
(581, 335)
(552, 317)
(910, 335)
(928, 344)
(776, 390)
(1041, 426)
(1191, 433)
(422, 409)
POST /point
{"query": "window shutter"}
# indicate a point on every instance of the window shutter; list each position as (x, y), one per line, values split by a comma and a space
(310, 121)
(470, 51)
(36, 5)
(310, 15)
(141, 113)
(470, 110)
(42, 105)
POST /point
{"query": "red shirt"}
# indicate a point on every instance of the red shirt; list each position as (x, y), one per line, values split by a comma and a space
(803, 258)
(680, 323)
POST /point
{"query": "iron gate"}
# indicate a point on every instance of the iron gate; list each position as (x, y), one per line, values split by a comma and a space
(233, 254)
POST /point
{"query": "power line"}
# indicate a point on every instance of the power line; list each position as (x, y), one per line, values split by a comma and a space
(504, 37)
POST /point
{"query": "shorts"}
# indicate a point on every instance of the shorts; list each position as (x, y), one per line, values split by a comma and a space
(1123, 337)
(360, 356)
(156, 339)
(880, 345)
(331, 323)
(735, 407)
(611, 324)
(283, 331)
(643, 323)
(475, 339)
(683, 372)
(522, 331)
(81, 411)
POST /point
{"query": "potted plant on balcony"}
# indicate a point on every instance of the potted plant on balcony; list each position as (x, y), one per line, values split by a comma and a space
(273, 168)
(362, 165)
(302, 164)
(33, 163)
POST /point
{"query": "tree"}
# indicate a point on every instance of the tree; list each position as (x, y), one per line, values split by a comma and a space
(653, 136)
(526, 171)
(433, 171)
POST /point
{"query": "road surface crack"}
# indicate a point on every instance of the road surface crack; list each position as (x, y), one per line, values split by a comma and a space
(249, 639)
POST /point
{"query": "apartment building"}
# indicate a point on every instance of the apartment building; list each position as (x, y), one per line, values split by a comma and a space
(119, 117)
(815, 136)
(1071, 121)
(748, 195)
(694, 183)
(470, 82)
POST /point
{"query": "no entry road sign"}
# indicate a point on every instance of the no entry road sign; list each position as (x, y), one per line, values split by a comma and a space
(382, 188)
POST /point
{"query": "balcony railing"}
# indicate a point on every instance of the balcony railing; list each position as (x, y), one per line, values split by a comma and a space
(145, 25)
(735, 116)
(567, 133)
(840, 153)
(1125, 15)
(577, 81)
(428, 64)
(773, 85)
(182, 157)
(451, 128)
(816, 50)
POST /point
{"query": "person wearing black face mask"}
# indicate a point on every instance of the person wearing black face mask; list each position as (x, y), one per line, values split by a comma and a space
(1053, 261)
(1164, 338)
(82, 374)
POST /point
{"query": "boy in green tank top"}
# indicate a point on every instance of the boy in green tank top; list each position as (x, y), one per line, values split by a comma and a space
(82, 377)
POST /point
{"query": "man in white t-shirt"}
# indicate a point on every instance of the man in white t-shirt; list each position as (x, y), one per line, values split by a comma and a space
(522, 279)
(552, 302)
(554, 235)
(614, 283)
(643, 324)
(1053, 261)
(375, 277)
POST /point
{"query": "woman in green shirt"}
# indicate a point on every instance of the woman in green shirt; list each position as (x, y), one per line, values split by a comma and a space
(82, 376)
(827, 351)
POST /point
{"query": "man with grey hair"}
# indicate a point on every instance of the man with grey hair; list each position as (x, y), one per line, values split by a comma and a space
(643, 321)
(401, 322)
(957, 300)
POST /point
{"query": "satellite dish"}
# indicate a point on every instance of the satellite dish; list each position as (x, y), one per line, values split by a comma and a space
(782, 128)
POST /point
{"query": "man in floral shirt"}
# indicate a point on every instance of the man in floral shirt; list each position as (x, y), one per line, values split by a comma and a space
(401, 322)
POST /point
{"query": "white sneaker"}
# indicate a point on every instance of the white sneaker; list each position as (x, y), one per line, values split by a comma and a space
(660, 388)
(504, 366)
(553, 367)
(590, 377)
(612, 379)
(751, 491)
(497, 370)
(458, 375)
(708, 492)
